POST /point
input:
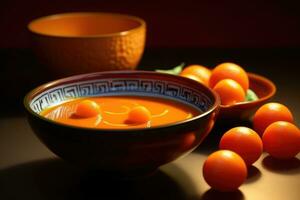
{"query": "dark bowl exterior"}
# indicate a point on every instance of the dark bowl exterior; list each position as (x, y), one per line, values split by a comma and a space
(122, 151)
(128, 150)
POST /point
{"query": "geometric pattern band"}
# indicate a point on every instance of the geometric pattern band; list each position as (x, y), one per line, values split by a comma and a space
(116, 87)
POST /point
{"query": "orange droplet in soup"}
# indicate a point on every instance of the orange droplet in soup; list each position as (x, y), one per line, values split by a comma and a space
(87, 108)
(138, 115)
(120, 112)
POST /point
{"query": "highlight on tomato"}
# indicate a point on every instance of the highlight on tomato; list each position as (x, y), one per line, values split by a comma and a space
(243, 141)
(229, 71)
(281, 140)
(269, 113)
(224, 170)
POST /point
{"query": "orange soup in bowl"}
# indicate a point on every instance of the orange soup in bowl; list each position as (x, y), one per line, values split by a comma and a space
(121, 122)
(119, 112)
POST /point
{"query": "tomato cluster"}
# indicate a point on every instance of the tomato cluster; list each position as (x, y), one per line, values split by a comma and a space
(281, 138)
(274, 131)
(229, 80)
(226, 169)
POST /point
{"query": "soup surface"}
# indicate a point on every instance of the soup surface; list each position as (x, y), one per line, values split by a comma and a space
(115, 110)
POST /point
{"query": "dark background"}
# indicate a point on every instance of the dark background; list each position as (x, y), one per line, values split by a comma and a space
(261, 36)
(171, 23)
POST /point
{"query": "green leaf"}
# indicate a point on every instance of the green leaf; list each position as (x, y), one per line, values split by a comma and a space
(175, 71)
(251, 96)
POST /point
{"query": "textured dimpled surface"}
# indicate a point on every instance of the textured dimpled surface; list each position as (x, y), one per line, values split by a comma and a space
(68, 56)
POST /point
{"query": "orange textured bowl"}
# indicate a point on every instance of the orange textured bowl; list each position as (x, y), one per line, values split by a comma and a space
(73, 43)
(264, 89)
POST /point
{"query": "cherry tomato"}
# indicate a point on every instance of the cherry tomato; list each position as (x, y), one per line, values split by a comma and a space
(139, 115)
(229, 71)
(199, 71)
(229, 91)
(224, 170)
(282, 140)
(269, 113)
(87, 108)
(243, 141)
(193, 77)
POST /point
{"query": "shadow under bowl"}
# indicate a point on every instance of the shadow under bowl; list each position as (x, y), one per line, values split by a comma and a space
(123, 151)
(264, 88)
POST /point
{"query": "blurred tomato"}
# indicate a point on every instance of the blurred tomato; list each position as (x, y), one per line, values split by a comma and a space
(199, 71)
(193, 77)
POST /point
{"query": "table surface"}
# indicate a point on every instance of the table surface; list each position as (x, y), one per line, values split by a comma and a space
(28, 170)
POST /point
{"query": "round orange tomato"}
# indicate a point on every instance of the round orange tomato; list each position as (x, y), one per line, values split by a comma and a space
(199, 71)
(139, 115)
(87, 108)
(193, 77)
(269, 113)
(282, 140)
(243, 141)
(224, 170)
(229, 71)
(230, 92)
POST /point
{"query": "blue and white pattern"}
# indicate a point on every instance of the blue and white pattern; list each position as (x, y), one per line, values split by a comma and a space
(117, 87)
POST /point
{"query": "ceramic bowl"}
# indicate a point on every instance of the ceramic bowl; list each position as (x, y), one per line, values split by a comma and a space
(75, 43)
(129, 150)
(265, 90)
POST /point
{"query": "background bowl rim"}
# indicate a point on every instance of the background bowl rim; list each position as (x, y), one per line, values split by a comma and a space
(28, 97)
(62, 15)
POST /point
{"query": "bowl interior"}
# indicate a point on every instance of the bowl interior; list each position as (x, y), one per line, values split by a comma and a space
(132, 83)
(84, 24)
(263, 87)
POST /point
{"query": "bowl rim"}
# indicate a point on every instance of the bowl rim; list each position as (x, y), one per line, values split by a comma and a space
(67, 14)
(262, 79)
(35, 91)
